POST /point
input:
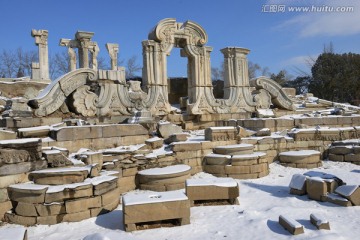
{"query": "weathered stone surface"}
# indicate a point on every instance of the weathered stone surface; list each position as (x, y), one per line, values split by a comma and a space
(217, 159)
(176, 137)
(148, 175)
(291, 225)
(220, 133)
(10, 156)
(127, 172)
(153, 208)
(155, 142)
(105, 186)
(214, 169)
(120, 130)
(56, 158)
(237, 149)
(26, 209)
(3, 195)
(34, 132)
(105, 208)
(4, 207)
(166, 129)
(302, 156)
(340, 150)
(45, 210)
(23, 167)
(82, 204)
(69, 193)
(350, 192)
(337, 199)
(126, 184)
(7, 134)
(6, 181)
(110, 197)
(335, 157)
(319, 222)
(59, 176)
(185, 146)
(27, 193)
(212, 189)
(21, 220)
(316, 188)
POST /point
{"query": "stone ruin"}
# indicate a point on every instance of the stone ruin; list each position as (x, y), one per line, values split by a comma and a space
(90, 135)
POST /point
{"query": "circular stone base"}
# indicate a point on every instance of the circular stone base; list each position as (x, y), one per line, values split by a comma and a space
(300, 159)
(164, 179)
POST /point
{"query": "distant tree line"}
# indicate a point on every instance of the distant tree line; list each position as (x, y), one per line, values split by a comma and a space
(17, 64)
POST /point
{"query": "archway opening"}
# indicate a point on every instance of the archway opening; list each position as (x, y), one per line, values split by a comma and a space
(177, 77)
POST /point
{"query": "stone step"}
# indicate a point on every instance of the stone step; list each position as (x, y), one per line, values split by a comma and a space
(248, 159)
(217, 159)
(236, 149)
(300, 159)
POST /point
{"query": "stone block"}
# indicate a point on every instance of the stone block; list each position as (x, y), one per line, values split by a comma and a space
(82, 204)
(73, 192)
(3, 195)
(110, 197)
(220, 133)
(335, 157)
(316, 188)
(155, 142)
(298, 184)
(319, 222)
(212, 189)
(245, 175)
(63, 134)
(5, 207)
(176, 186)
(76, 217)
(148, 207)
(188, 154)
(21, 220)
(127, 172)
(126, 184)
(120, 130)
(291, 225)
(93, 158)
(42, 131)
(56, 158)
(262, 167)
(237, 149)
(52, 209)
(155, 188)
(352, 158)
(214, 169)
(95, 132)
(185, 146)
(94, 212)
(338, 200)
(302, 156)
(192, 162)
(6, 181)
(27, 193)
(350, 192)
(60, 176)
(237, 169)
(105, 186)
(7, 134)
(176, 137)
(25, 209)
(217, 159)
(340, 150)
(166, 129)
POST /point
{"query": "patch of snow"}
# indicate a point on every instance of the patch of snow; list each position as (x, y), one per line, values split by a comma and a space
(165, 170)
(346, 190)
(12, 233)
(300, 153)
(66, 169)
(298, 181)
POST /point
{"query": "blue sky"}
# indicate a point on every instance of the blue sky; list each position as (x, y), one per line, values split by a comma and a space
(278, 40)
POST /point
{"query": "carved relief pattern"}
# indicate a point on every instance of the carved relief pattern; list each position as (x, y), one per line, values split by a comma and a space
(85, 101)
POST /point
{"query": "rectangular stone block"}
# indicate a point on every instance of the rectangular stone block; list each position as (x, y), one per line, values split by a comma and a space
(127, 172)
(126, 184)
(338, 200)
(110, 197)
(76, 217)
(21, 220)
(41, 131)
(105, 187)
(316, 188)
(262, 167)
(147, 208)
(185, 146)
(26, 209)
(45, 210)
(237, 169)
(352, 158)
(220, 133)
(6, 181)
(214, 169)
(319, 222)
(188, 154)
(119, 130)
(244, 176)
(94, 212)
(82, 204)
(7, 134)
(291, 225)
(27, 194)
(335, 157)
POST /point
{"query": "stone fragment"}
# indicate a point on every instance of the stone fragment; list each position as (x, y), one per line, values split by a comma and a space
(220, 133)
(51, 209)
(185, 146)
(319, 222)
(176, 137)
(155, 142)
(350, 192)
(26, 209)
(263, 132)
(7, 134)
(166, 129)
(82, 204)
(298, 184)
(316, 188)
(59, 176)
(27, 193)
(68, 192)
(291, 225)
(21, 220)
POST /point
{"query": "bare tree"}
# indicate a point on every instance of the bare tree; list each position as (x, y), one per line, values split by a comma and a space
(132, 67)
(8, 63)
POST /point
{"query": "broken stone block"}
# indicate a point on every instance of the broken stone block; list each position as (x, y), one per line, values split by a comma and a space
(34, 132)
(176, 137)
(92, 158)
(56, 158)
(263, 132)
(316, 188)
(319, 222)
(298, 184)
(165, 129)
(51, 209)
(149, 207)
(104, 184)
(337, 199)
(155, 142)
(243, 132)
(212, 189)
(6, 181)
(291, 225)
(21, 220)
(350, 192)
(26, 209)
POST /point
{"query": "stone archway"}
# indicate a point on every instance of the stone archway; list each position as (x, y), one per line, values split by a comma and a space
(191, 38)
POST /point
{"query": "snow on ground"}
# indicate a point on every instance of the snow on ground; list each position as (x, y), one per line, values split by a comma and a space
(261, 202)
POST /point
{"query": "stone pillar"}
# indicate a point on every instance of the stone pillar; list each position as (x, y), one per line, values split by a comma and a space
(70, 44)
(113, 49)
(94, 51)
(41, 37)
(84, 39)
(236, 69)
